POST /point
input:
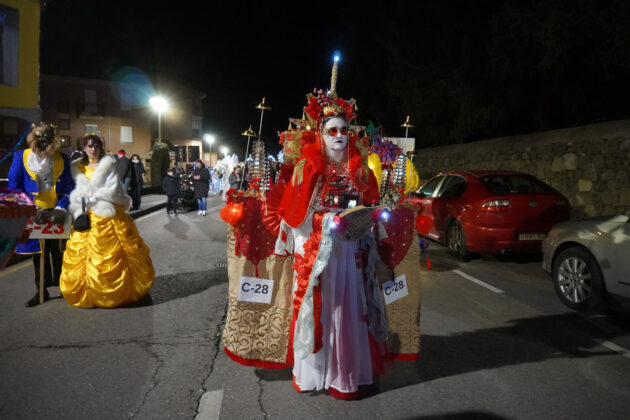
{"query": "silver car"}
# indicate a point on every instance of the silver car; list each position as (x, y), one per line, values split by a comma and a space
(589, 260)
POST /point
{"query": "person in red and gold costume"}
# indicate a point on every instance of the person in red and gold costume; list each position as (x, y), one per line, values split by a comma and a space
(338, 311)
(314, 300)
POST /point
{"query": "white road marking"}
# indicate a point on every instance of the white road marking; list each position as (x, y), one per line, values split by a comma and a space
(613, 347)
(210, 405)
(479, 282)
(17, 267)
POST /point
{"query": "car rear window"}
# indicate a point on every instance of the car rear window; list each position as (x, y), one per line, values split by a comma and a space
(514, 184)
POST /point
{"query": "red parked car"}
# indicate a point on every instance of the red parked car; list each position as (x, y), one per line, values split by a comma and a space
(491, 211)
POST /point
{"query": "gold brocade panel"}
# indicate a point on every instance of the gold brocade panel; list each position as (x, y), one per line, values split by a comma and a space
(403, 315)
(258, 331)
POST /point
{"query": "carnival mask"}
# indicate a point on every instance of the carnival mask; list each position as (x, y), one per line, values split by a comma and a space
(335, 134)
(43, 139)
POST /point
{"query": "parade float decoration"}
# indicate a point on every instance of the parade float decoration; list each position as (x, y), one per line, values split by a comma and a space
(259, 329)
(16, 209)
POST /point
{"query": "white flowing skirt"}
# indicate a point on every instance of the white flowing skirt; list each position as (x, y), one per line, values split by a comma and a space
(344, 362)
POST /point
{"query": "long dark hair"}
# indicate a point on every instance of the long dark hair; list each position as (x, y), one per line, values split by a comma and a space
(203, 165)
(95, 140)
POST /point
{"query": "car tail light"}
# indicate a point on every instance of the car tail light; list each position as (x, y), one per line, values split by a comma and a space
(495, 206)
(561, 202)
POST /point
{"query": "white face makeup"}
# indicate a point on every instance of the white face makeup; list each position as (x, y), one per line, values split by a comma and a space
(335, 133)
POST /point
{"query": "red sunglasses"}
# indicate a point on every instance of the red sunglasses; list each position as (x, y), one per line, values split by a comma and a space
(333, 131)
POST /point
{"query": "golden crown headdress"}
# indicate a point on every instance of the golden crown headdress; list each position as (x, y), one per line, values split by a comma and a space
(323, 104)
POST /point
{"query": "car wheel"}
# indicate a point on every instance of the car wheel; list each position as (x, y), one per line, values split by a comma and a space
(456, 240)
(578, 280)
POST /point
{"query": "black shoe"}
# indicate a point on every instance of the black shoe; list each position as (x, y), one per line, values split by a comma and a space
(34, 301)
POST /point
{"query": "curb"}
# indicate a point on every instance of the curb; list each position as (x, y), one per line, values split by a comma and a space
(140, 213)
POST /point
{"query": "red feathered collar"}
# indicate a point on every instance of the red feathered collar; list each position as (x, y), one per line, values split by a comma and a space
(299, 194)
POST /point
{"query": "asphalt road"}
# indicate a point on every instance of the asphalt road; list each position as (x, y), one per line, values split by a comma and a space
(496, 343)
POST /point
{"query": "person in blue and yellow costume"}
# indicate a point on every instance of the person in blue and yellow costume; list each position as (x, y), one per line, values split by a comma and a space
(107, 265)
(44, 174)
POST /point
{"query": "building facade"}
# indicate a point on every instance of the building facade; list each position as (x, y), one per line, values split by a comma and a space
(119, 112)
(19, 72)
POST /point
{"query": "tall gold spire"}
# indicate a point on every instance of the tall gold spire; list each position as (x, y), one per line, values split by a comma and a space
(333, 78)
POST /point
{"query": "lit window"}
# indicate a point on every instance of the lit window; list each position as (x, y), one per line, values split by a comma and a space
(91, 129)
(126, 135)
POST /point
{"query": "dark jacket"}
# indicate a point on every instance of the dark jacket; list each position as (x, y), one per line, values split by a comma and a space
(170, 185)
(235, 181)
(138, 169)
(123, 166)
(201, 185)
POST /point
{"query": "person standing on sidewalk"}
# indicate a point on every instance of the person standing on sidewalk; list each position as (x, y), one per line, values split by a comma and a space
(236, 181)
(200, 185)
(125, 171)
(170, 186)
(136, 190)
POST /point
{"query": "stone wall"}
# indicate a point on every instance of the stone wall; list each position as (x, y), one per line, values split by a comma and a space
(588, 164)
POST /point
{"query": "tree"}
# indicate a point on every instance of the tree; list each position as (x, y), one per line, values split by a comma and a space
(160, 162)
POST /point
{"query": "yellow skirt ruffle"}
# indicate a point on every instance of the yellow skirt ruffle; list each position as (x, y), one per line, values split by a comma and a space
(106, 266)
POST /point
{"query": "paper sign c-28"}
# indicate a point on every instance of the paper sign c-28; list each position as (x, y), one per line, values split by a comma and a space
(394, 290)
(253, 289)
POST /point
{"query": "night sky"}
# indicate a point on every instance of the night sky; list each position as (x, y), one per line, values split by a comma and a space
(463, 70)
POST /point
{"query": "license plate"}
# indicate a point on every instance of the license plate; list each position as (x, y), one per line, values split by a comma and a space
(531, 236)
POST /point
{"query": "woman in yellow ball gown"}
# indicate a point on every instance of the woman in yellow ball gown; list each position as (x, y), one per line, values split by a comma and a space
(107, 265)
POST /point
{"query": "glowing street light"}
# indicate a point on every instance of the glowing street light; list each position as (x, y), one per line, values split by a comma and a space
(209, 139)
(159, 105)
(225, 150)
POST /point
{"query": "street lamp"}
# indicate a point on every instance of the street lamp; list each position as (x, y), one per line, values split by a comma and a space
(209, 138)
(159, 104)
(224, 150)
(407, 124)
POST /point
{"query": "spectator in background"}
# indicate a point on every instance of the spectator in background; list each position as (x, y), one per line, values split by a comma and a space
(125, 171)
(136, 189)
(200, 185)
(236, 179)
(170, 186)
